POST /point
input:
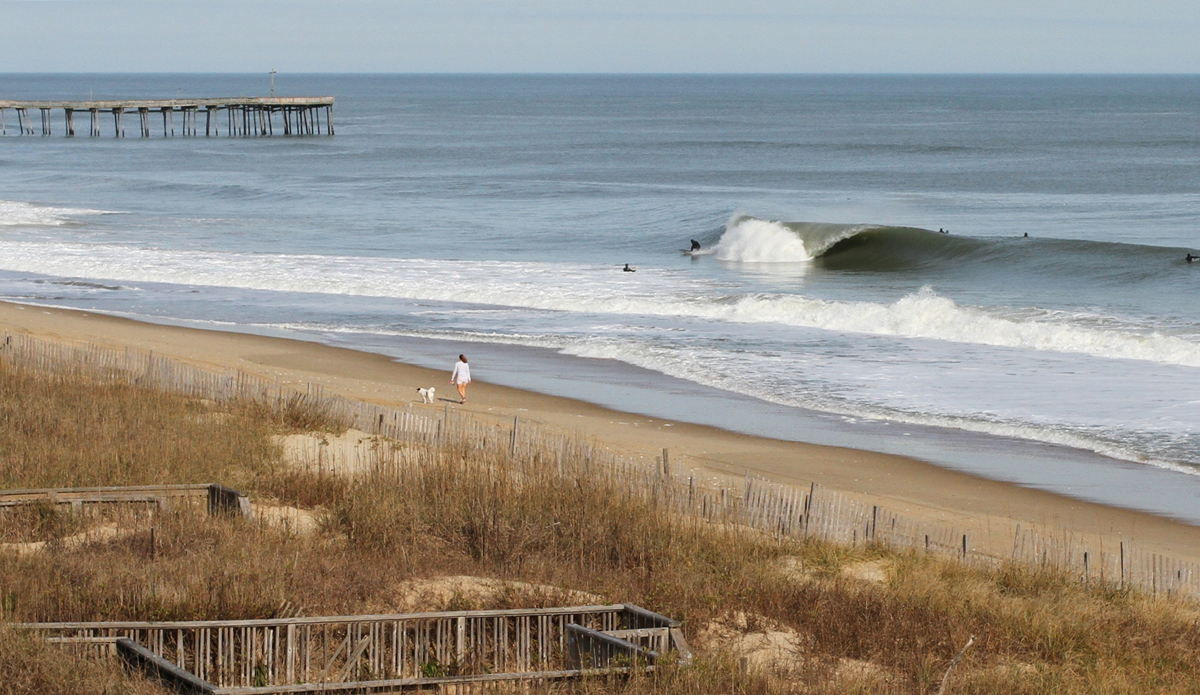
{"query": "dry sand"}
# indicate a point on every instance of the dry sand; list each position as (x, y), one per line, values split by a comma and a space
(902, 484)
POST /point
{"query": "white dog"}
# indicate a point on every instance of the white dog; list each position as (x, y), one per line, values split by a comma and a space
(426, 394)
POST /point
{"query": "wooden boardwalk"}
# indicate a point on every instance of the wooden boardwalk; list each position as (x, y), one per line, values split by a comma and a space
(387, 653)
(243, 116)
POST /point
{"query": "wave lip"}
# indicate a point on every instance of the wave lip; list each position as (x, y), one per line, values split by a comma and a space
(751, 240)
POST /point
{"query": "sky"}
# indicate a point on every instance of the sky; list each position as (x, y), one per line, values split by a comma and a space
(606, 36)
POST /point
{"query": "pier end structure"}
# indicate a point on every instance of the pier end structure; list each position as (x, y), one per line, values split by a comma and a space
(244, 116)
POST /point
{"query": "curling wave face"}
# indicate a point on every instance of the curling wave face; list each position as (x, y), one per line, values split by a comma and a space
(974, 260)
(752, 240)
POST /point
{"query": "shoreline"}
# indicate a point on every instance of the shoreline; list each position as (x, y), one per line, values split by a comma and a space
(990, 508)
(1077, 473)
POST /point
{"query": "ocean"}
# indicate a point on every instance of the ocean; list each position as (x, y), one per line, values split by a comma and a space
(1051, 337)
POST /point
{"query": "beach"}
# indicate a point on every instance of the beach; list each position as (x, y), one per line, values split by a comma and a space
(902, 484)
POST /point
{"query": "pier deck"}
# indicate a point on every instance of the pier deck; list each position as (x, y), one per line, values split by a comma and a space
(244, 116)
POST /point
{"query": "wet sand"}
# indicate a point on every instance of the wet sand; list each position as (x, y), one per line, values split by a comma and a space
(990, 509)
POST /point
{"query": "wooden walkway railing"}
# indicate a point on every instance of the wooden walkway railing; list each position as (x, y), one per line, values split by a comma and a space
(380, 651)
(799, 512)
(219, 497)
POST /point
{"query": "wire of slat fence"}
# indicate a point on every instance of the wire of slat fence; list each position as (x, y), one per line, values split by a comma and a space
(759, 504)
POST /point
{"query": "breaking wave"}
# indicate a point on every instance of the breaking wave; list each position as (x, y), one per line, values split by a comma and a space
(753, 240)
(882, 248)
(597, 290)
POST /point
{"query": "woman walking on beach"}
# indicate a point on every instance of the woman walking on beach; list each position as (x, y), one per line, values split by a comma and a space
(461, 376)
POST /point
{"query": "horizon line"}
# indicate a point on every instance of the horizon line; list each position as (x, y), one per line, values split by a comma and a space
(629, 74)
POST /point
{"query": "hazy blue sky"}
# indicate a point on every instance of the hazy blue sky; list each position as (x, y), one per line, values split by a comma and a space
(613, 36)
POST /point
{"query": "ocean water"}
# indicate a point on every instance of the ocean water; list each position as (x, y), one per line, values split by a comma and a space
(499, 210)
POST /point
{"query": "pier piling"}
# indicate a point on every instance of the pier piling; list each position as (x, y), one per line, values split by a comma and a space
(245, 116)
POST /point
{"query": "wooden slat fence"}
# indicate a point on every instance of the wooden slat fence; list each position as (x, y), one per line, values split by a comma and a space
(797, 512)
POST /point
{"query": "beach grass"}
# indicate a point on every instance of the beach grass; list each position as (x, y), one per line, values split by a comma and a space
(29, 665)
(764, 614)
(73, 431)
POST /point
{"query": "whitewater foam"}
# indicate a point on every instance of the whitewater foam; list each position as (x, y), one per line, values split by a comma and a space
(750, 240)
(20, 214)
(728, 372)
(682, 364)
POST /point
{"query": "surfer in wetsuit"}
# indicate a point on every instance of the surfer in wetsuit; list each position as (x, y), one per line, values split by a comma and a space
(631, 270)
(695, 245)
(1190, 258)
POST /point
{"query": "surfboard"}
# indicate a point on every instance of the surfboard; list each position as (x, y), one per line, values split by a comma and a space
(689, 252)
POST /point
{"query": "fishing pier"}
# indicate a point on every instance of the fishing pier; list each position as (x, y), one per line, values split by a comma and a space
(242, 117)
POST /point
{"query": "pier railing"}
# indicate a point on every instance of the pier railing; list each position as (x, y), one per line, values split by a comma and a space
(751, 503)
(244, 116)
(380, 652)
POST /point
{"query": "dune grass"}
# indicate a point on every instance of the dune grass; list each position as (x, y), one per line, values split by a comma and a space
(76, 432)
(30, 666)
(475, 511)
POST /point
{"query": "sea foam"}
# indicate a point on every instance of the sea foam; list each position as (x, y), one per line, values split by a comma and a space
(733, 372)
(750, 240)
(21, 214)
(753, 240)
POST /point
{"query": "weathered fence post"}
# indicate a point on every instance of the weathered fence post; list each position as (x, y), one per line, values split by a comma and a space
(808, 502)
(460, 641)
(1122, 564)
(226, 500)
